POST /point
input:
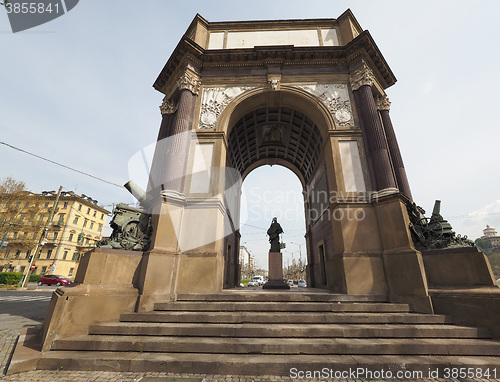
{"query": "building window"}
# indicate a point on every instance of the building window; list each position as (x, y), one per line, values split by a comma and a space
(88, 211)
(6, 253)
(65, 256)
(70, 238)
(102, 216)
(40, 219)
(54, 237)
(44, 269)
(85, 223)
(65, 205)
(99, 229)
(75, 220)
(47, 205)
(61, 219)
(95, 213)
(18, 252)
(91, 225)
(71, 271)
(76, 256)
(28, 253)
(49, 253)
(79, 207)
(23, 268)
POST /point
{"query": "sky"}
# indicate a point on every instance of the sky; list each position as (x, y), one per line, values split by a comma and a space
(78, 92)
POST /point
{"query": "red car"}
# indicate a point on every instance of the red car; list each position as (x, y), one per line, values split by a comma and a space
(54, 279)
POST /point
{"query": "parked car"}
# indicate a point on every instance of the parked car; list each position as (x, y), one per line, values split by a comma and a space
(302, 283)
(290, 283)
(258, 279)
(253, 283)
(54, 279)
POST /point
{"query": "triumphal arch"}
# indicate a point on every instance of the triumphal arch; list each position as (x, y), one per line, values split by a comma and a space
(306, 94)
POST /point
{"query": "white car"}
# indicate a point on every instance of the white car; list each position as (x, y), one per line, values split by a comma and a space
(253, 283)
(302, 283)
(258, 279)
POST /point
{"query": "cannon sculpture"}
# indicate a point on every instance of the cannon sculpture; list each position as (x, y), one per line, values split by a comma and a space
(131, 229)
(131, 226)
(434, 232)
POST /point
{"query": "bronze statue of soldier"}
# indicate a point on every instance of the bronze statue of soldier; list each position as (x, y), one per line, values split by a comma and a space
(274, 232)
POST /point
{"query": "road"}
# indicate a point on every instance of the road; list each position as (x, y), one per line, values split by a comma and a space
(20, 309)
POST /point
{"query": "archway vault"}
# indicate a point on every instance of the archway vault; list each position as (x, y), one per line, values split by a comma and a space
(271, 135)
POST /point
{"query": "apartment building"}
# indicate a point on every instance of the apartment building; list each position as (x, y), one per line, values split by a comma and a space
(76, 225)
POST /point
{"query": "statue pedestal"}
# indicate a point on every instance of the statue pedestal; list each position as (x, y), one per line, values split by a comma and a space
(276, 272)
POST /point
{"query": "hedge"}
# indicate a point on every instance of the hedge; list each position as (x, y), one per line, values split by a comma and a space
(34, 278)
(10, 278)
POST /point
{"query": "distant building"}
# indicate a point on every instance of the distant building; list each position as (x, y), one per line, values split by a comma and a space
(76, 226)
(491, 235)
(247, 263)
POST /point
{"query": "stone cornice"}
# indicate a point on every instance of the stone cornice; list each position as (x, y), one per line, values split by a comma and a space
(288, 56)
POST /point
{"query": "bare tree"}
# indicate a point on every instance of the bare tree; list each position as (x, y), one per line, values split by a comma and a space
(22, 214)
(10, 186)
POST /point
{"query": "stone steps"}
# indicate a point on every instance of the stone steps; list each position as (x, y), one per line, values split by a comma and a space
(251, 306)
(268, 333)
(289, 330)
(285, 317)
(334, 346)
(254, 364)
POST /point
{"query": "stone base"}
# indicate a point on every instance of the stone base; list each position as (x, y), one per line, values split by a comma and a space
(276, 284)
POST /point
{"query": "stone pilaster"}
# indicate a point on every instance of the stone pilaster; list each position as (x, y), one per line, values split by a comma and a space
(376, 142)
(383, 105)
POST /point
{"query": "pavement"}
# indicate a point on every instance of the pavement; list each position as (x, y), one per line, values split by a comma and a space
(9, 338)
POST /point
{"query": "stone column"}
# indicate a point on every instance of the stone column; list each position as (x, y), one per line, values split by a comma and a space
(179, 134)
(361, 82)
(160, 159)
(384, 105)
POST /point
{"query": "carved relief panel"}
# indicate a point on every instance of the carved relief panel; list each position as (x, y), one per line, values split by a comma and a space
(336, 98)
(214, 101)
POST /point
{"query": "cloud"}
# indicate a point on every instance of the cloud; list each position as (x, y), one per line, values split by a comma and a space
(474, 222)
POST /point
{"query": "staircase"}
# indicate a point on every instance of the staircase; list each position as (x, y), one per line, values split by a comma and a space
(276, 333)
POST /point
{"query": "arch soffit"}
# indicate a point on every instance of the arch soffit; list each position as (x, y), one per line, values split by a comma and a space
(294, 98)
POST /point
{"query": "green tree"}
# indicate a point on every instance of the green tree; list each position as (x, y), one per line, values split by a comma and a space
(484, 246)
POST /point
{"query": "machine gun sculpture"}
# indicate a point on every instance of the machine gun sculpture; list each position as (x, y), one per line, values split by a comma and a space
(433, 232)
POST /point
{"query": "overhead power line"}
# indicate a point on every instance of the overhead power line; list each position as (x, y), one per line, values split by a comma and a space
(61, 165)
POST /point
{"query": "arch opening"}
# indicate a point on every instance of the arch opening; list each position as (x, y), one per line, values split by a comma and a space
(263, 198)
(280, 132)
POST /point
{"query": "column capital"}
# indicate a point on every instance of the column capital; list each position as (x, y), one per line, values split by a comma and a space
(383, 103)
(362, 76)
(189, 81)
(168, 106)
